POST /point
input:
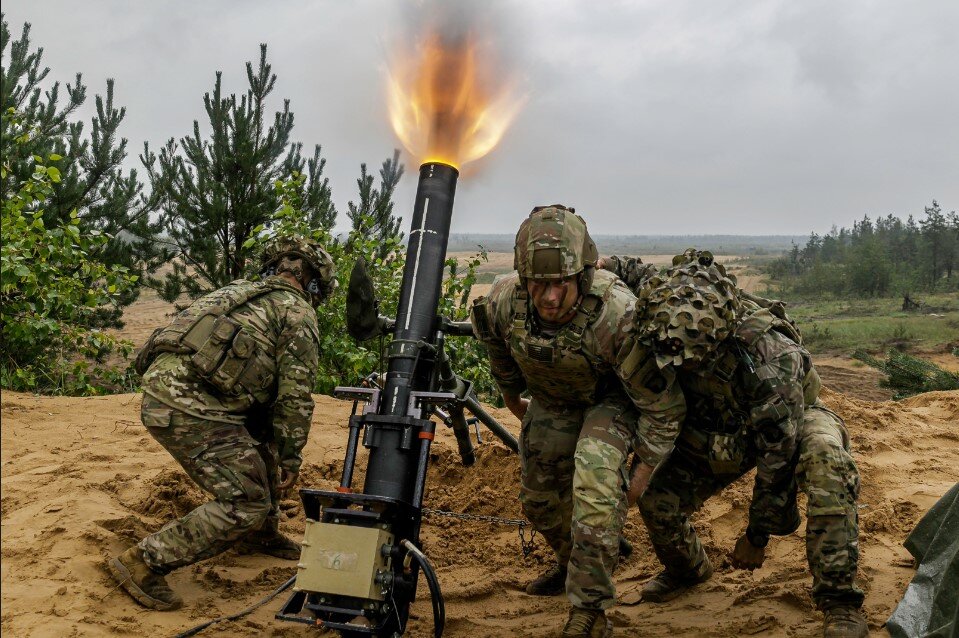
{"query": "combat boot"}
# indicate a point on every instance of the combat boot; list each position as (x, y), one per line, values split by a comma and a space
(552, 582)
(269, 541)
(844, 622)
(665, 586)
(147, 587)
(587, 623)
(625, 548)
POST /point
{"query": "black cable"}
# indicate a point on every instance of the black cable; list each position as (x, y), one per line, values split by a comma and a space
(276, 592)
(436, 596)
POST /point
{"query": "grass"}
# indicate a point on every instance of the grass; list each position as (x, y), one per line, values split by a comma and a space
(875, 325)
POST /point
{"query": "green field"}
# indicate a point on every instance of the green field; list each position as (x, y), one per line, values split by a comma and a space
(878, 324)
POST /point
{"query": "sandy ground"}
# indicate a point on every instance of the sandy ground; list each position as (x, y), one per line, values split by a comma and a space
(82, 480)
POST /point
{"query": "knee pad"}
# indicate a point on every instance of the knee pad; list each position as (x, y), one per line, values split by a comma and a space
(828, 474)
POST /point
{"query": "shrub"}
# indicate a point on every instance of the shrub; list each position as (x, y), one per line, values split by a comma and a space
(53, 289)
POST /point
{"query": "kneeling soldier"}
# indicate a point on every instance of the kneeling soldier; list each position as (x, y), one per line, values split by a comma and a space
(246, 352)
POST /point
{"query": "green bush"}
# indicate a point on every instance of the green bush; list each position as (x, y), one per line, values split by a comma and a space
(53, 288)
(908, 375)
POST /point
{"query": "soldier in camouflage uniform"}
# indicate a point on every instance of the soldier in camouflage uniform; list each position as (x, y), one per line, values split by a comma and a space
(557, 328)
(226, 390)
(751, 393)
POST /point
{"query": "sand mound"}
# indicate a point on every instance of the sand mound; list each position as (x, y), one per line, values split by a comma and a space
(82, 480)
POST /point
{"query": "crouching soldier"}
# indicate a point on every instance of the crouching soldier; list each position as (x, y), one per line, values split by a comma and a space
(246, 351)
(558, 329)
(751, 394)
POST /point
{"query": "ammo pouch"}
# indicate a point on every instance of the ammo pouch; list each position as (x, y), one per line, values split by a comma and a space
(725, 451)
(226, 357)
(479, 315)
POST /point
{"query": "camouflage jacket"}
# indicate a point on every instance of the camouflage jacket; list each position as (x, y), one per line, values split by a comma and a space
(631, 270)
(748, 404)
(565, 370)
(284, 326)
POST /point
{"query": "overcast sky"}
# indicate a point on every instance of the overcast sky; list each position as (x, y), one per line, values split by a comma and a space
(658, 117)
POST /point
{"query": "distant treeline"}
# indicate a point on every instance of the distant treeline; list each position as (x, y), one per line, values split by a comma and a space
(648, 244)
(874, 258)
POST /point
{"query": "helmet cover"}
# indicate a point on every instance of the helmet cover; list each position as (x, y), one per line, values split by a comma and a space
(276, 257)
(553, 243)
(689, 310)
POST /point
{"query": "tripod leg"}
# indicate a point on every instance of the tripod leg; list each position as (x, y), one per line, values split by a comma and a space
(461, 430)
(494, 426)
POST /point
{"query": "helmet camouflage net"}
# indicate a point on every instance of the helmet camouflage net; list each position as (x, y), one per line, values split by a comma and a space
(553, 243)
(689, 310)
(324, 280)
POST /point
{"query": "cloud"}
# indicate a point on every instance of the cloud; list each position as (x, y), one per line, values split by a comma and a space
(649, 117)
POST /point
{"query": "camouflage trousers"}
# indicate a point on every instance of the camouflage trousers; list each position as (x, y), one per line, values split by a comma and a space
(574, 478)
(825, 471)
(225, 461)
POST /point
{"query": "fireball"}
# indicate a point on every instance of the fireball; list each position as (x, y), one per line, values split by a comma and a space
(448, 101)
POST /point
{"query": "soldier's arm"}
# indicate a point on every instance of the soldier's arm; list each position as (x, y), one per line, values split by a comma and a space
(297, 360)
(654, 392)
(658, 397)
(631, 270)
(490, 316)
(775, 415)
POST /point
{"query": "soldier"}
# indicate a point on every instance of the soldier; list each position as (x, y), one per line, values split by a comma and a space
(557, 328)
(245, 352)
(751, 393)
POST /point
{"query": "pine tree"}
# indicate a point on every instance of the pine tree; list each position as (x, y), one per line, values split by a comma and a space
(378, 204)
(935, 242)
(91, 177)
(213, 191)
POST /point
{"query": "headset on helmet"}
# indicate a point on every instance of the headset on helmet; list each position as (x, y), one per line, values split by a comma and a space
(323, 282)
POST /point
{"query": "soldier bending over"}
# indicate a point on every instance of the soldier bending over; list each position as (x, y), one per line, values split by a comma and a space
(751, 393)
(557, 328)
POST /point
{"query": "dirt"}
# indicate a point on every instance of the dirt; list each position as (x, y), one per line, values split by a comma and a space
(82, 480)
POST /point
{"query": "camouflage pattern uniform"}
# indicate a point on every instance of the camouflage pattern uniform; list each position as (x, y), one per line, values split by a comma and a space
(631, 270)
(581, 424)
(210, 431)
(751, 402)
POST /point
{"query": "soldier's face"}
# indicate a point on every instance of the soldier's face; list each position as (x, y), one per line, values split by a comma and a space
(554, 299)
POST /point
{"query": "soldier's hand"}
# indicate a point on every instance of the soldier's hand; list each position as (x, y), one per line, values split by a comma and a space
(287, 480)
(516, 404)
(746, 555)
(638, 481)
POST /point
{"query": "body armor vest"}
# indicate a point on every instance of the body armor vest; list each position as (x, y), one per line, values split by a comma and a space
(558, 374)
(220, 350)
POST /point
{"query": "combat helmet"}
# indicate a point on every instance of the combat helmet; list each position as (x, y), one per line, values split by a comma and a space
(324, 280)
(553, 243)
(689, 310)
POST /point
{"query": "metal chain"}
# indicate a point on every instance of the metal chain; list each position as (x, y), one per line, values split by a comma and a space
(521, 524)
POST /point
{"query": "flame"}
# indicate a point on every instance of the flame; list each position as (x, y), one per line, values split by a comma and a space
(447, 101)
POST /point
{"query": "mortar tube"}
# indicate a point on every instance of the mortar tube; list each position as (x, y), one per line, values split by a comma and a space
(391, 471)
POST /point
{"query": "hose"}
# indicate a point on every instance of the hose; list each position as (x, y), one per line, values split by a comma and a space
(276, 592)
(436, 596)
